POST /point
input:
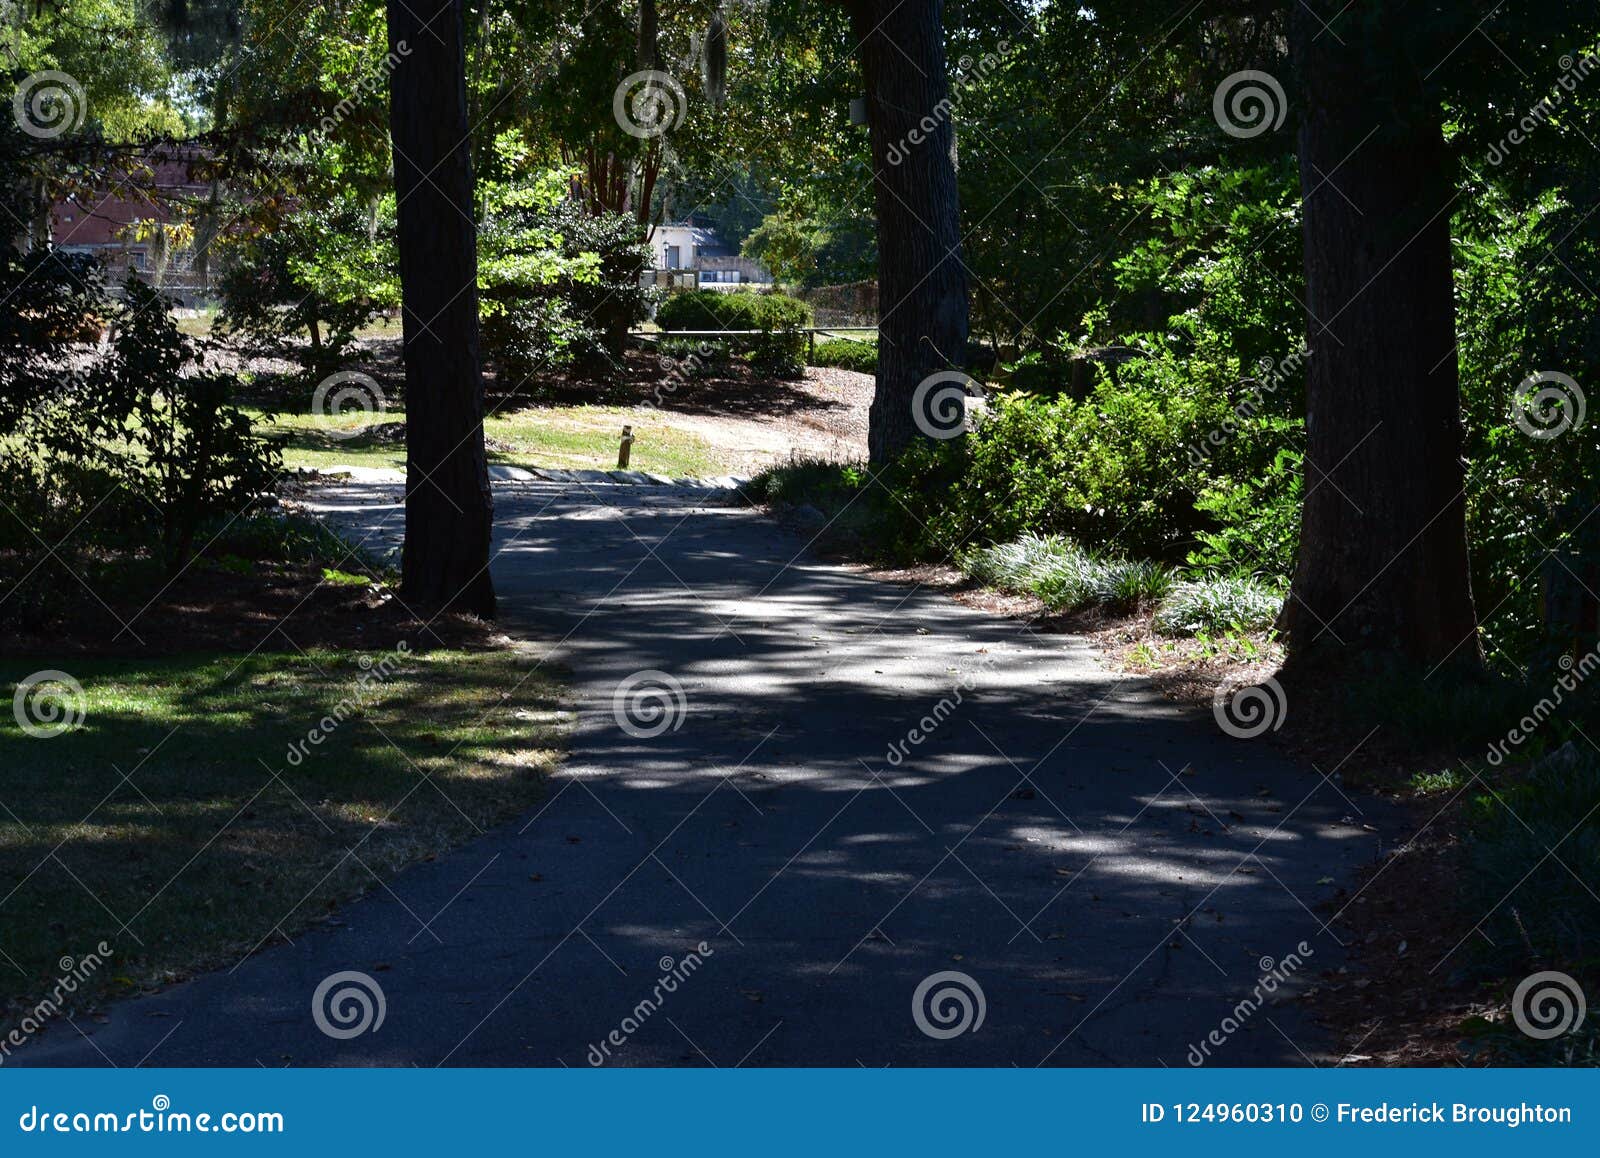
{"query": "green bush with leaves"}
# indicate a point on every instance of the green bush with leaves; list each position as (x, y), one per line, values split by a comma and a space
(558, 286)
(845, 354)
(302, 288)
(150, 421)
(1066, 577)
(777, 348)
(693, 358)
(1521, 311)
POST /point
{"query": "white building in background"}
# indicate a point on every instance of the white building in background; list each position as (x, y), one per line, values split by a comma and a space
(684, 245)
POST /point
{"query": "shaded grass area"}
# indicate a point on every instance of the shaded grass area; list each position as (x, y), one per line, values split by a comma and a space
(101, 590)
(174, 824)
(561, 436)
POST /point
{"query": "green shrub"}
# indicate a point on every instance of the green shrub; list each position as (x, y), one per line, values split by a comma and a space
(693, 357)
(559, 286)
(845, 354)
(301, 289)
(1026, 564)
(1210, 606)
(283, 539)
(820, 483)
(1119, 466)
(1135, 583)
(737, 310)
(149, 417)
(777, 348)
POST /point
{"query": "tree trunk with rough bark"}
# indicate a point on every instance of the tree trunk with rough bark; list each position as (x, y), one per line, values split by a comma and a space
(1382, 568)
(448, 505)
(922, 285)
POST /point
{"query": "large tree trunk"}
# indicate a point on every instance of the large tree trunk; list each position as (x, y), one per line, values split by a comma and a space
(922, 285)
(448, 506)
(1383, 554)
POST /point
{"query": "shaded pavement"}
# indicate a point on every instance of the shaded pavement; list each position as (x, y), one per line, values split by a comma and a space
(840, 788)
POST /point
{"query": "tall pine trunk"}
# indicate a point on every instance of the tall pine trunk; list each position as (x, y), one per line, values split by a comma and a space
(922, 285)
(1383, 553)
(448, 505)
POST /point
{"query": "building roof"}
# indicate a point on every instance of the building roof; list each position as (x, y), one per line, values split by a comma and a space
(705, 239)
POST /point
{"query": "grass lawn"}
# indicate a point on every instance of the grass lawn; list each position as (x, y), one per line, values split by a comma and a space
(552, 436)
(173, 823)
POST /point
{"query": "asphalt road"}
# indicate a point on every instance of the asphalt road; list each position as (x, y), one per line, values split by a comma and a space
(844, 790)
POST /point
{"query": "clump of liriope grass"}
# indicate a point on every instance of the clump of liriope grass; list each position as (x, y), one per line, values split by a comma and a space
(1065, 576)
(1208, 606)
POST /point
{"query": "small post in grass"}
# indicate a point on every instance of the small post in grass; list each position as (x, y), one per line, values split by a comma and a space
(625, 448)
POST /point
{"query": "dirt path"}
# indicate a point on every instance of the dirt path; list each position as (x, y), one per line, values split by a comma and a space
(835, 428)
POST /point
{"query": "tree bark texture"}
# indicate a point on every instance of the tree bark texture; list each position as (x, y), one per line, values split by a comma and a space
(449, 511)
(1382, 567)
(922, 284)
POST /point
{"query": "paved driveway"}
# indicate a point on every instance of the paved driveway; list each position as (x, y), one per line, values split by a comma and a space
(834, 821)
